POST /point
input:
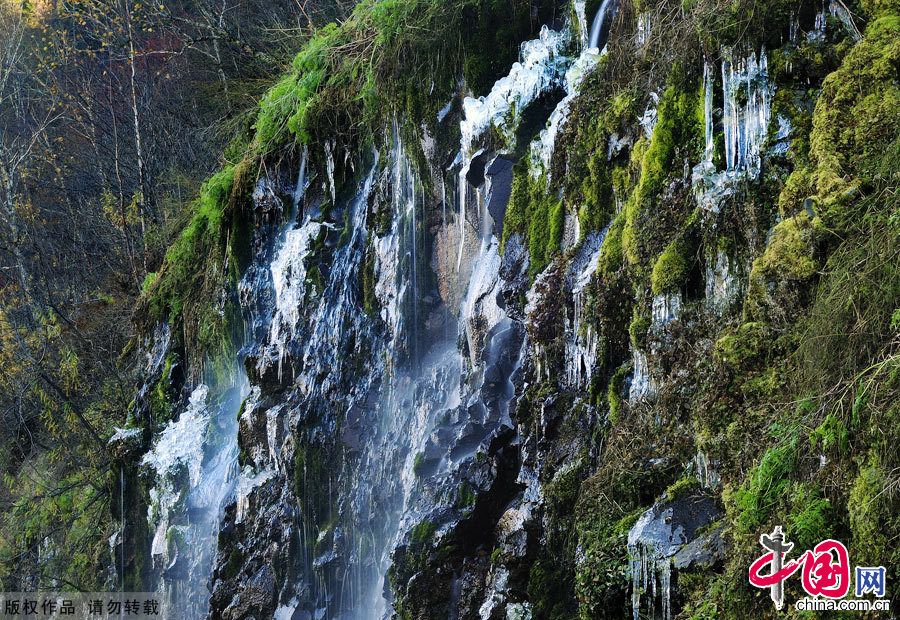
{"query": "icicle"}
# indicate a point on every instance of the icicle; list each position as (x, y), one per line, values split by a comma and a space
(709, 151)
(642, 386)
(540, 68)
(581, 18)
(644, 25)
(329, 168)
(665, 308)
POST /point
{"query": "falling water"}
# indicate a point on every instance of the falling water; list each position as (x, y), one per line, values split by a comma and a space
(600, 27)
(194, 459)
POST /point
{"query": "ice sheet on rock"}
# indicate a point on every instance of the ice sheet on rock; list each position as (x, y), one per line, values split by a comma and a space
(839, 9)
(582, 341)
(642, 386)
(665, 309)
(124, 434)
(289, 281)
(480, 311)
(539, 69)
(543, 145)
(247, 482)
(722, 286)
(648, 119)
(181, 442)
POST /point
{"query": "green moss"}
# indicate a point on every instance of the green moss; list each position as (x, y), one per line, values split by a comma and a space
(496, 556)
(614, 393)
(682, 487)
(611, 255)
(536, 214)
(743, 346)
(367, 275)
(562, 491)
(676, 127)
(789, 259)
(765, 485)
(670, 272)
(639, 326)
(873, 518)
(465, 496)
(854, 128)
(188, 287)
(547, 590)
(422, 532)
(419, 464)
(149, 281)
(349, 79)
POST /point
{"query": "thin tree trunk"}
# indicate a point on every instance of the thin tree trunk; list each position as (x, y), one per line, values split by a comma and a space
(146, 202)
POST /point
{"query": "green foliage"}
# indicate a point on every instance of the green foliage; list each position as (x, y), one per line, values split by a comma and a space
(422, 532)
(854, 132)
(671, 269)
(676, 128)
(765, 485)
(614, 393)
(536, 214)
(809, 520)
(831, 435)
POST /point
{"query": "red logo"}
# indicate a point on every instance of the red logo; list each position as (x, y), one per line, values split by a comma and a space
(826, 568)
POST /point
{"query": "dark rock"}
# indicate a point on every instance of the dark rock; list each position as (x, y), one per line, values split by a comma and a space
(500, 173)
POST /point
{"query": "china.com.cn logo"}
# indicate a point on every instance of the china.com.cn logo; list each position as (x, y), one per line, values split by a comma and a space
(825, 576)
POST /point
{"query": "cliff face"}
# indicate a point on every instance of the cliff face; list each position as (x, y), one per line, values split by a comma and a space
(564, 346)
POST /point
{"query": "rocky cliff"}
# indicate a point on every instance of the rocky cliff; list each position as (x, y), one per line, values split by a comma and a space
(530, 310)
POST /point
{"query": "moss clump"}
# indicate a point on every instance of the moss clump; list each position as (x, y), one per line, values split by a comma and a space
(854, 132)
(611, 255)
(873, 517)
(419, 464)
(614, 393)
(536, 214)
(788, 263)
(670, 272)
(639, 326)
(547, 590)
(422, 532)
(676, 128)
(562, 491)
(350, 77)
(744, 346)
(682, 487)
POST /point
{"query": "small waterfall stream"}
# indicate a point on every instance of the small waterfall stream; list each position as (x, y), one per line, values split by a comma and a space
(195, 460)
